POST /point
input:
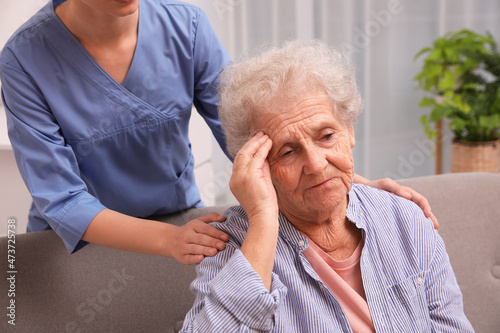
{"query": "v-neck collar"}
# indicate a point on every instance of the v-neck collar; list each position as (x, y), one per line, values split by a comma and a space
(81, 60)
(55, 3)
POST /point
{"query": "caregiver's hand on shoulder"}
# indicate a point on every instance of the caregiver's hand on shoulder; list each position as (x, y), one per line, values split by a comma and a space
(190, 243)
(251, 179)
(390, 185)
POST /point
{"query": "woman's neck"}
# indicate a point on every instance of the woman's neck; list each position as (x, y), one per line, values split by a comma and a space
(109, 35)
(331, 231)
(337, 240)
(94, 27)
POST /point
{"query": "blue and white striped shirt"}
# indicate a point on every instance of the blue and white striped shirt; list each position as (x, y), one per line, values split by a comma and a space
(408, 280)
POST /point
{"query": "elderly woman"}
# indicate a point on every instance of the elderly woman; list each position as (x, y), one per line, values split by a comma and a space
(310, 251)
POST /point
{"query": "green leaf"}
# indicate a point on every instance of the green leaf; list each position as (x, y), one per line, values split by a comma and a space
(449, 52)
(490, 122)
(470, 63)
(472, 86)
(457, 125)
(432, 70)
(436, 54)
(448, 94)
(460, 104)
(422, 51)
(423, 119)
(431, 133)
(438, 113)
(427, 101)
(447, 81)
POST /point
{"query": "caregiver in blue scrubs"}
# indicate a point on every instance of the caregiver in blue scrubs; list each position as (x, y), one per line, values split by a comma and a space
(98, 95)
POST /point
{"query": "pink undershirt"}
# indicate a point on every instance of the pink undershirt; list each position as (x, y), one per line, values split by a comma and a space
(343, 278)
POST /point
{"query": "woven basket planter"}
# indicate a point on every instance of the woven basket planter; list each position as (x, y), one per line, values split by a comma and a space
(475, 156)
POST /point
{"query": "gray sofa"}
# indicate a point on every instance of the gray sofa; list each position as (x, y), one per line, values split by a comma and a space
(104, 290)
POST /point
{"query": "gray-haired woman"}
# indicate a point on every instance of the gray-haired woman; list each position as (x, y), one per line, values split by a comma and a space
(310, 251)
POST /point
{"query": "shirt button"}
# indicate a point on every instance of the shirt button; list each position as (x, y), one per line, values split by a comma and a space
(420, 280)
(301, 243)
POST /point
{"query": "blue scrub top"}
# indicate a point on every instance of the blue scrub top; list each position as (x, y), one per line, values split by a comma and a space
(83, 142)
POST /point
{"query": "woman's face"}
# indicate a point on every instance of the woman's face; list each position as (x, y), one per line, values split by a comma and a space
(310, 160)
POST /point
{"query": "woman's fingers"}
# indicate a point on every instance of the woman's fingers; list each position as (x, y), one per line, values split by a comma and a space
(434, 221)
(207, 235)
(209, 230)
(260, 157)
(390, 185)
(200, 233)
(196, 253)
(190, 243)
(191, 259)
(250, 161)
(423, 203)
(251, 149)
(251, 179)
(248, 165)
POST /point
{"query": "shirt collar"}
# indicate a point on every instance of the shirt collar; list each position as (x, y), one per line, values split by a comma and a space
(354, 212)
(291, 235)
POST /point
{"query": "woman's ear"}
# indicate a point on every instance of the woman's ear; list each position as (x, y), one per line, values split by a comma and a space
(352, 140)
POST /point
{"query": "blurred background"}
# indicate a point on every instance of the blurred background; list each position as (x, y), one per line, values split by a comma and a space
(382, 37)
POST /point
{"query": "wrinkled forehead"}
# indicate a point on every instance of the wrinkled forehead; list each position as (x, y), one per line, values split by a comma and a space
(288, 107)
(302, 115)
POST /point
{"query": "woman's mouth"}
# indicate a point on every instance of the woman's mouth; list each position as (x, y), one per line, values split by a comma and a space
(322, 184)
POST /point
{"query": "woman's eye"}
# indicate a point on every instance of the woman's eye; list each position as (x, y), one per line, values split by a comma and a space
(328, 136)
(286, 153)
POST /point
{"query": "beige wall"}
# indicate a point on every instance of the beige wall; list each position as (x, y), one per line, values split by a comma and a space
(14, 197)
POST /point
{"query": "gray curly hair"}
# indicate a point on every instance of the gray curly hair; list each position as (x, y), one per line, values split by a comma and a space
(271, 81)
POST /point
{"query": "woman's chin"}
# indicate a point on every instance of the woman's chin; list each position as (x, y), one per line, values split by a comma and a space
(315, 208)
(325, 198)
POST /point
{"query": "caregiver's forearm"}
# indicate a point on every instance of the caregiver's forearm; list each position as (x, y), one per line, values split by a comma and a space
(119, 231)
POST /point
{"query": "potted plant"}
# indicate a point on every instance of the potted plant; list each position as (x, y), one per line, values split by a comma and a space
(461, 74)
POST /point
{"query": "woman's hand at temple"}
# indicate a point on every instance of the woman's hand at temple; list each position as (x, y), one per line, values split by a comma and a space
(251, 179)
(251, 184)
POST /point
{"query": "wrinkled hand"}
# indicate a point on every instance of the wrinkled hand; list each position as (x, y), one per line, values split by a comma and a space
(390, 185)
(190, 243)
(251, 179)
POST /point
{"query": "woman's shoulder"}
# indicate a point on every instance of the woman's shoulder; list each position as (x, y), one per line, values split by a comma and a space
(177, 7)
(397, 225)
(236, 223)
(374, 199)
(27, 35)
(381, 209)
(167, 19)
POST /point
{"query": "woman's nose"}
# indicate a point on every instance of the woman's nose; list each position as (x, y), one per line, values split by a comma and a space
(315, 161)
